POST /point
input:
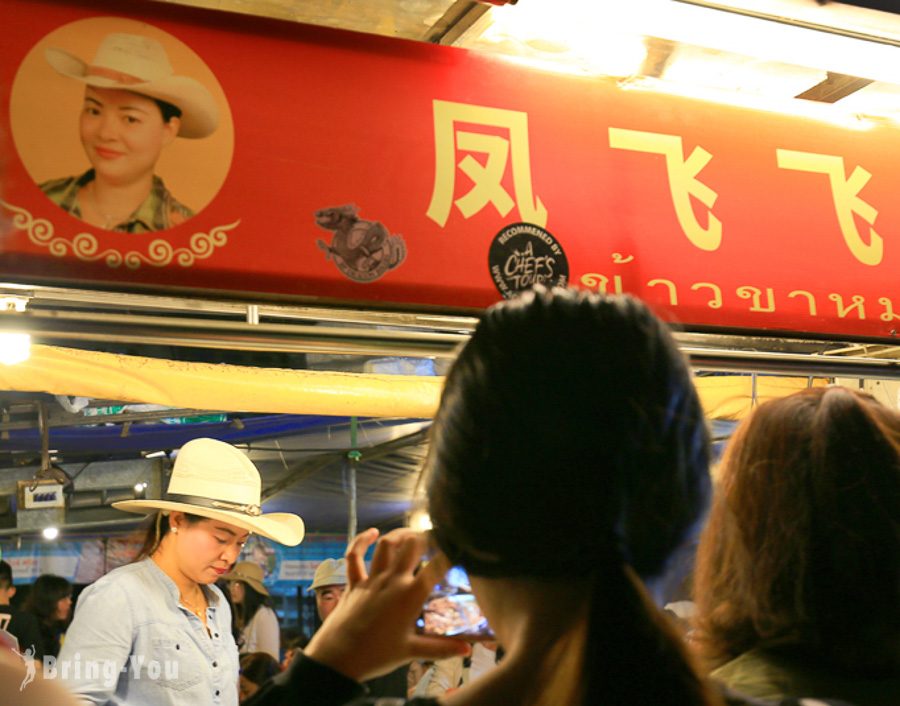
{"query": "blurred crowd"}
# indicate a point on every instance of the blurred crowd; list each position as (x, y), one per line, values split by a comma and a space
(569, 473)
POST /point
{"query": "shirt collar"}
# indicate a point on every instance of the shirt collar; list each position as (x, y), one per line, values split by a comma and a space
(212, 597)
(69, 200)
(149, 216)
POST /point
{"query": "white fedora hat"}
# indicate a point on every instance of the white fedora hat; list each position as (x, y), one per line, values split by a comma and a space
(215, 480)
(139, 64)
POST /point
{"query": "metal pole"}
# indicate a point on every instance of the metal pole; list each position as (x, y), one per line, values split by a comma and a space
(353, 457)
(19, 532)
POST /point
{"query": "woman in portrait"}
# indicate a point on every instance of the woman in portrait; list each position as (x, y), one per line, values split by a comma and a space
(134, 106)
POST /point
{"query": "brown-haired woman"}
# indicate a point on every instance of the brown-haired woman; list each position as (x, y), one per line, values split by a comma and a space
(798, 570)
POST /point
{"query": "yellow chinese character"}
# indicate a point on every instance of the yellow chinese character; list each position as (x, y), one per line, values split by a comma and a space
(845, 194)
(487, 178)
(683, 182)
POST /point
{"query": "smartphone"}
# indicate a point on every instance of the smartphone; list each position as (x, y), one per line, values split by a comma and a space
(452, 611)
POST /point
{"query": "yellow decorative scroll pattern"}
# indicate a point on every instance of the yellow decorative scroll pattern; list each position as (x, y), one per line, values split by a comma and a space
(85, 246)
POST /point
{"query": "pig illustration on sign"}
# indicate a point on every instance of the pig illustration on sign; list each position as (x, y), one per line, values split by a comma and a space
(363, 250)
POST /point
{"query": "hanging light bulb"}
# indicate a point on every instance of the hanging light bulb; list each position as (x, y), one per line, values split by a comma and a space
(15, 347)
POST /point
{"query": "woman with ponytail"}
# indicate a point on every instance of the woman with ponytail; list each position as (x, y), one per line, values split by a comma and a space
(568, 463)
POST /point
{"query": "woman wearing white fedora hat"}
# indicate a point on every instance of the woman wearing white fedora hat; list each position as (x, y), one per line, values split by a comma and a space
(256, 620)
(158, 631)
(134, 106)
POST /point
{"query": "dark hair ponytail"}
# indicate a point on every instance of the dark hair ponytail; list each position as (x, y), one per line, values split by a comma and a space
(570, 445)
(634, 656)
(155, 528)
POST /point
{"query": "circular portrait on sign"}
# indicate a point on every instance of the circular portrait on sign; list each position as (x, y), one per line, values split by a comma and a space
(121, 125)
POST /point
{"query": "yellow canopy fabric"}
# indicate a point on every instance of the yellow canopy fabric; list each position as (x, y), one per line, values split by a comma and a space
(732, 396)
(68, 371)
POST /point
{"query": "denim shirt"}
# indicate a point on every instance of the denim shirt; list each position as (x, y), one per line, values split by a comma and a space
(133, 642)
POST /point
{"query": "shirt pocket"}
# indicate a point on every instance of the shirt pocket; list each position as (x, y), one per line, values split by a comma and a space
(169, 661)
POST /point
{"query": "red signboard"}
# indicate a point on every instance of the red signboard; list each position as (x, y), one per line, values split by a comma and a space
(316, 163)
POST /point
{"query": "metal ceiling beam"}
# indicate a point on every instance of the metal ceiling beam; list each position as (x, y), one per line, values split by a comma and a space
(62, 326)
(58, 314)
(455, 22)
(659, 54)
(310, 466)
(795, 21)
(67, 419)
(834, 87)
(792, 363)
(65, 299)
(77, 526)
(119, 328)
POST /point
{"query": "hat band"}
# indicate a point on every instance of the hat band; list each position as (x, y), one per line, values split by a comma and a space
(244, 577)
(211, 504)
(113, 75)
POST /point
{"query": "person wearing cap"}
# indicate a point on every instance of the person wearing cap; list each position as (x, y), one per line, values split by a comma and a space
(329, 583)
(134, 106)
(257, 622)
(158, 631)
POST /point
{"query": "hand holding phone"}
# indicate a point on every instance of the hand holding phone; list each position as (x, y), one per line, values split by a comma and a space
(380, 607)
(452, 611)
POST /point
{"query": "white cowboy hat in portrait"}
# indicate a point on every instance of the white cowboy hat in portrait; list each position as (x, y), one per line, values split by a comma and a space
(139, 64)
(215, 480)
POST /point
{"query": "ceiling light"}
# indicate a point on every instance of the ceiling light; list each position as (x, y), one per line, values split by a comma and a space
(588, 37)
(767, 38)
(730, 72)
(14, 348)
(823, 112)
(795, 43)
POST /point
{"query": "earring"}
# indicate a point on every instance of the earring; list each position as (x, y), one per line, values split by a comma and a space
(174, 530)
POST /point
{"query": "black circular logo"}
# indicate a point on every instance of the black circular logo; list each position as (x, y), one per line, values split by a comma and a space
(523, 255)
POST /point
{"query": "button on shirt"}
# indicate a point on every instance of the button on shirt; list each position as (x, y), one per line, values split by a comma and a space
(132, 642)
